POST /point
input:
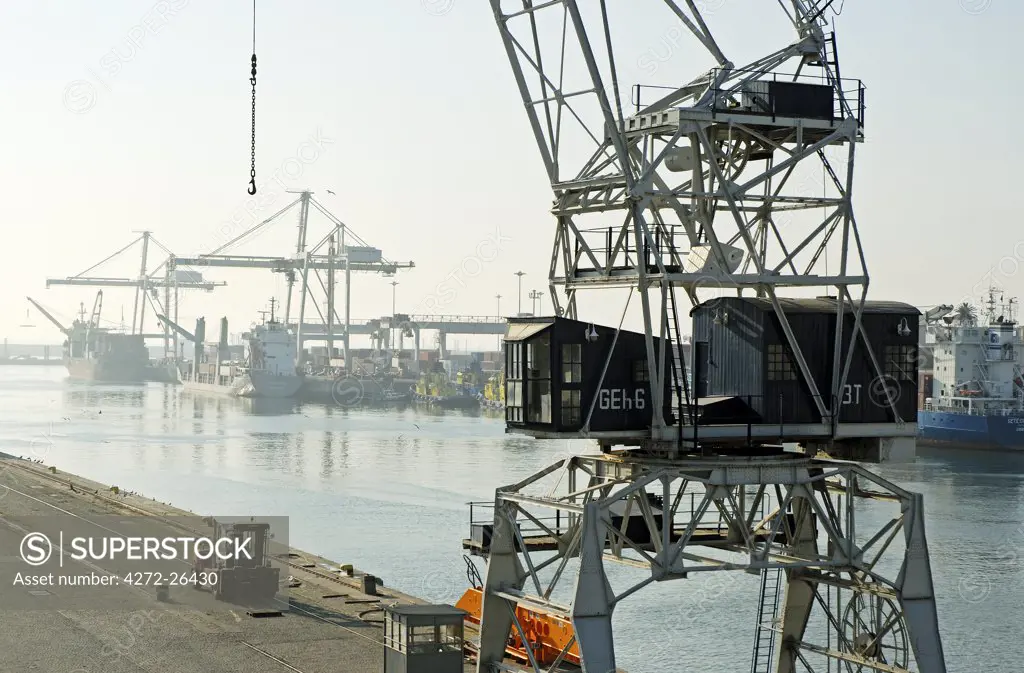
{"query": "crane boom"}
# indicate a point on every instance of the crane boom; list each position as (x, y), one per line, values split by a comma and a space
(47, 315)
(176, 327)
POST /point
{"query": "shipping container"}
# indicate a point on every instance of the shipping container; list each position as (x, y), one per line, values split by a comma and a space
(554, 371)
(740, 351)
(187, 276)
(364, 255)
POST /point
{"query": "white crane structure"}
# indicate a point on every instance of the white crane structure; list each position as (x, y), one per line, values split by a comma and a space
(340, 249)
(146, 285)
(694, 188)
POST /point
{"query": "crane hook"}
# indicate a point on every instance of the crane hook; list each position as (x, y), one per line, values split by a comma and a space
(252, 187)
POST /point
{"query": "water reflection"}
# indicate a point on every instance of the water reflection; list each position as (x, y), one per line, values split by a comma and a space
(251, 406)
(79, 394)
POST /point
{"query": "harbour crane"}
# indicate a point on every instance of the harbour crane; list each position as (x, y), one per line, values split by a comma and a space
(340, 249)
(146, 285)
(687, 194)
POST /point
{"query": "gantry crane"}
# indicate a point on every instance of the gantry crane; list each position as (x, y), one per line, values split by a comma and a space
(340, 249)
(693, 190)
(146, 285)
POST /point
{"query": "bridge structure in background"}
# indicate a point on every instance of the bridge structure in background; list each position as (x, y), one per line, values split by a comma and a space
(406, 325)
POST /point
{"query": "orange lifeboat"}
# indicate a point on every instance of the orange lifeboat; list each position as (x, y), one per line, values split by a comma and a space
(547, 635)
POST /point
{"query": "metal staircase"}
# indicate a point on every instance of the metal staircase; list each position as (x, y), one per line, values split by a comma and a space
(766, 628)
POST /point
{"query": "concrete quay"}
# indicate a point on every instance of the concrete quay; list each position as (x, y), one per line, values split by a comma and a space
(327, 624)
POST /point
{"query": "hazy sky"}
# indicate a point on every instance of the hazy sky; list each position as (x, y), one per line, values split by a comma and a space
(120, 120)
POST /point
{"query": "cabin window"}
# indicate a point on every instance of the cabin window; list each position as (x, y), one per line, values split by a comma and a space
(641, 372)
(572, 363)
(899, 362)
(514, 401)
(780, 363)
(514, 382)
(571, 408)
(514, 360)
(538, 363)
(539, 358)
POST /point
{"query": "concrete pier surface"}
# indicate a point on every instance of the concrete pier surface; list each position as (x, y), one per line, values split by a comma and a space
(326, 623)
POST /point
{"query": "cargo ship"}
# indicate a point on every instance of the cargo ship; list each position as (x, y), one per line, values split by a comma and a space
(974, 396)
(337, 388)
(266, 370)
(94, 353)
(372, 380)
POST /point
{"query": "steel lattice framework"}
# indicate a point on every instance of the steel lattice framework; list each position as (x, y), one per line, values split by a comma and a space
(696, 189)
(836, 588)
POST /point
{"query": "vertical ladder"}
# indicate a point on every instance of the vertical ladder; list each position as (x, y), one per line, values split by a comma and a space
(768, 612)
(828, 60)
(681, 407)
(832, 55)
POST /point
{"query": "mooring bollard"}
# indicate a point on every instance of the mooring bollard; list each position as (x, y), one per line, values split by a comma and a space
(369, 585)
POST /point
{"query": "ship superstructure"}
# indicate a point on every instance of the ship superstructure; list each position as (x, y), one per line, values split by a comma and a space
(976, 396)
(267, 368)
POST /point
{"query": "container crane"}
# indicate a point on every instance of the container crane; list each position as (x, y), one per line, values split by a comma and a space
(690, 193)
(146, 285)
(339, 250)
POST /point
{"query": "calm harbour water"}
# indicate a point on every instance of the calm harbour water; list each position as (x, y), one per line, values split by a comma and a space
(387, 492)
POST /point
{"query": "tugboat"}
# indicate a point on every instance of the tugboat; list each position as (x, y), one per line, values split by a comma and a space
(976, 396)
(493, 396)
(435, 389)
(268, 369)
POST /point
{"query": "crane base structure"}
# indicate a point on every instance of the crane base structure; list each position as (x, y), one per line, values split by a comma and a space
(836, 593)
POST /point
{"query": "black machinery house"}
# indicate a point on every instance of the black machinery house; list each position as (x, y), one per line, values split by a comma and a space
(553, 378)
(741, 357)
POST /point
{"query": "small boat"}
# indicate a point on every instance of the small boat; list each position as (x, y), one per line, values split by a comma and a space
(547, 635)
(493, 396)
(436, 390)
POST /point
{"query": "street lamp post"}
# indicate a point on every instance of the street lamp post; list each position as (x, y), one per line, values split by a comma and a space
(391, 329)
(498, 297)
(520, 274)
(535, 300)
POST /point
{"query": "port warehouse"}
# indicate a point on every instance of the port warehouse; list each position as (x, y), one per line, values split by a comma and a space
(744, 369)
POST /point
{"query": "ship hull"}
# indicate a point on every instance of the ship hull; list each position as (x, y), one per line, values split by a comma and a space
(162, 372)
(996, 433)
(253, 384)
(106, 371)
(348, 392)
(449, 401)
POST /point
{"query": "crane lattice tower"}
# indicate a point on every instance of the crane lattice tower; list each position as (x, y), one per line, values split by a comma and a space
(702, 186)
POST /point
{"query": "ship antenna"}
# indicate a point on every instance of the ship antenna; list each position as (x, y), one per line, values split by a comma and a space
(272, 302)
